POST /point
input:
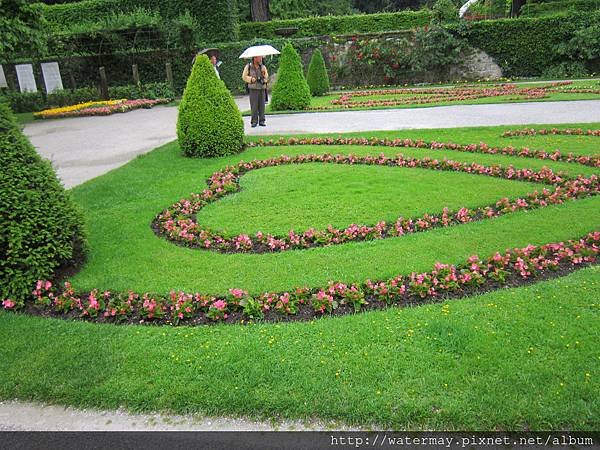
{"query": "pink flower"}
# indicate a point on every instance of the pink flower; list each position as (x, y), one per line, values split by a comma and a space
(8, 304)
(220, 305)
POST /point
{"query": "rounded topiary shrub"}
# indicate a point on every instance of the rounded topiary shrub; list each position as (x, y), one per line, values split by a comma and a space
(317, 78)
(209, 122)
(42, 229)
(291, 92)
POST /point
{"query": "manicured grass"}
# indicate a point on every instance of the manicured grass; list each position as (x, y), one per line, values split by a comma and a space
(325, 100)
(125, 254)
(513, 359)
(299, 197)
(522, 358)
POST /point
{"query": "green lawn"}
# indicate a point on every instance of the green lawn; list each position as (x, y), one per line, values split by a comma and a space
(325, 100)
(277, 199)
(511, 359)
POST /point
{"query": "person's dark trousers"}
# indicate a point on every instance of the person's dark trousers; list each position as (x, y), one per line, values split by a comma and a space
(257, 105)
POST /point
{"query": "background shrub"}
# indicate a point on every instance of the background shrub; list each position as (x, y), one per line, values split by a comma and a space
(209, 122)
(317, 78)
(291, 91)
(42, 229)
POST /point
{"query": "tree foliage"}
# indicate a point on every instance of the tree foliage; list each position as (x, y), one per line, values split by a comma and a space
(317, 77)
(209, 122)
(291, 91)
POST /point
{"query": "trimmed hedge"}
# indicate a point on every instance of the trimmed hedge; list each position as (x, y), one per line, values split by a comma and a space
(526, 46)
(291, 91)
(554, 7)
(317, 78)
(42, 229)
(334, 25)
(218, 18)
(209, 122)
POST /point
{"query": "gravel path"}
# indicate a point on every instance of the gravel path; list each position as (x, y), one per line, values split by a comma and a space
(23, 416)
(86, 147)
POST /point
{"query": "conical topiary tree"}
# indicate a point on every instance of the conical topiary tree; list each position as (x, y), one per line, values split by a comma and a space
(209, 122)
(42, 228)
(317, 78)
(291, 91)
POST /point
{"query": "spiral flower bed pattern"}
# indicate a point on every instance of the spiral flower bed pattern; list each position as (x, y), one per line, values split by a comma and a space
(178, 223)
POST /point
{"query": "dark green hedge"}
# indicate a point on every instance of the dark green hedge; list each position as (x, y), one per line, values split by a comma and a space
(554, 7)
(42, 228)
(60, 16)
(526, 46)
(334, 25)
(218, 18)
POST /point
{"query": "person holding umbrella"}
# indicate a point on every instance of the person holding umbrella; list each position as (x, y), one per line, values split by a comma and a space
(256, 76)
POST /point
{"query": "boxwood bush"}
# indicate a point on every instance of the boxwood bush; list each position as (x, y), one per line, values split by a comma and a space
(291, 91)
(209, 122)
(42, 229)
(317, 78)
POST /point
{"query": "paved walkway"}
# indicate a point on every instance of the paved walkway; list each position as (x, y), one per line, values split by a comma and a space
(24, 416)
(86, 147)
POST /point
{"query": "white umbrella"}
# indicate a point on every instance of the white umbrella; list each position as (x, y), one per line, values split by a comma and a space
(259, 50)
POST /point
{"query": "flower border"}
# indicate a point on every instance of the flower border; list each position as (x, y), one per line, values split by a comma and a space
(436, 95)
(178, 223)
(551, 131)
(514, 267)
(100, 108)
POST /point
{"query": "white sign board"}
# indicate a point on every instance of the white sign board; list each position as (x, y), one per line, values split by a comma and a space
(52, 78)
(26, 78)
(3, 82)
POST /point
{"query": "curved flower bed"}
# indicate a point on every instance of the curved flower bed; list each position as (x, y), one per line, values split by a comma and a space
(436, 95)
(523, 152)
(100, 108)
(551, 131)
(513, 267)
(178, 223)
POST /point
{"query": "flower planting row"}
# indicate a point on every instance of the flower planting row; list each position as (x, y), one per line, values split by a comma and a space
(551, 131)
(99, 108)
(513, 267)
(436, 95)
(523, 152)
(178, 223)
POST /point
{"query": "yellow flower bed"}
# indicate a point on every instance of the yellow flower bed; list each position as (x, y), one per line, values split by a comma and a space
(57, 111)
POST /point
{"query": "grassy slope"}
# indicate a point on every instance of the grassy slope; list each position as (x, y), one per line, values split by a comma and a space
(510, 359)
(129, 256)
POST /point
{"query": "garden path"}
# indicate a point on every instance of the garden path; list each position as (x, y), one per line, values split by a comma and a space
(25, 416)
(85, 147)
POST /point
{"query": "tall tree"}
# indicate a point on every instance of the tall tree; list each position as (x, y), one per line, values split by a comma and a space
(259, 9)
(516, 6)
